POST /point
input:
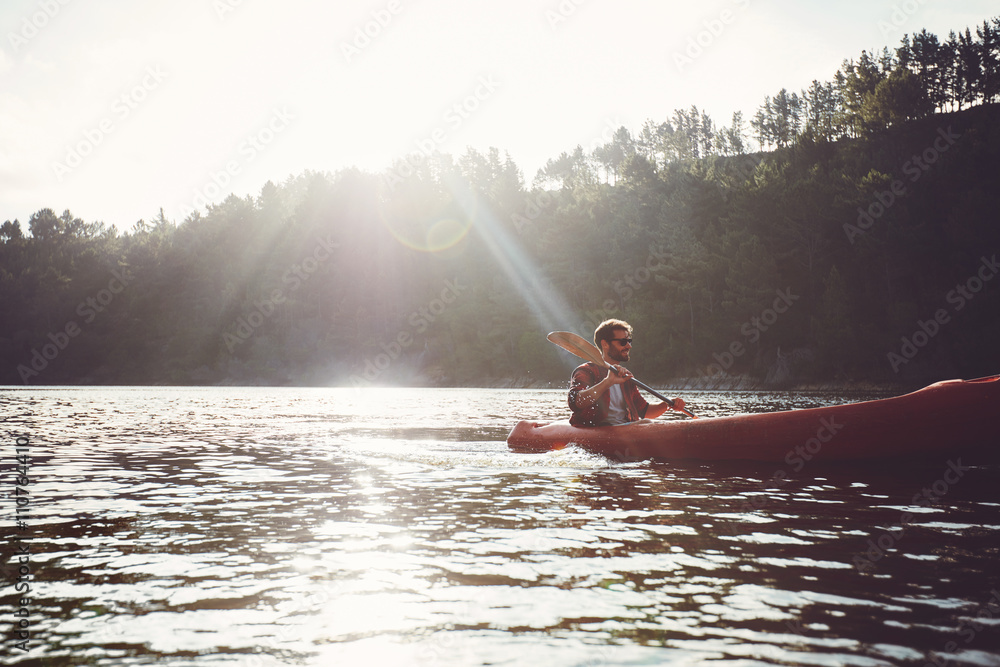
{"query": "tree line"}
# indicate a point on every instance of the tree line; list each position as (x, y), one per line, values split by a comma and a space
(858, 242)
(922, 76)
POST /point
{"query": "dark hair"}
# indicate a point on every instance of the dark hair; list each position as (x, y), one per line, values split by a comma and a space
(606, 330)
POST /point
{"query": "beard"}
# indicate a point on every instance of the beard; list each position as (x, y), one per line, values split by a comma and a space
(618, 355)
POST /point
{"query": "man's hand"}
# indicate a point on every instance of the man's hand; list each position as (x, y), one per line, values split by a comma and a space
(659, 409)
(619, 375)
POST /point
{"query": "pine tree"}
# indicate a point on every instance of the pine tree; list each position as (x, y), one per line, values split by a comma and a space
(989, 60)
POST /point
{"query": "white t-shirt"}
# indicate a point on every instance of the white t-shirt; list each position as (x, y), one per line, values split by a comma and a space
(617, 414)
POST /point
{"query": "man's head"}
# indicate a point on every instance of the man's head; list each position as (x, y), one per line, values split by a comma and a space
(614, 338)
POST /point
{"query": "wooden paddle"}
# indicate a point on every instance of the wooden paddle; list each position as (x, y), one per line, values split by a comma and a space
(584, 349)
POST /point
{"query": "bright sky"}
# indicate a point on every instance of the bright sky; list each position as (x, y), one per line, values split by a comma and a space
(115, 109)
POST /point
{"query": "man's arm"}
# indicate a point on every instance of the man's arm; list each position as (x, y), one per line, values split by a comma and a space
(585, 398)
(657, 410)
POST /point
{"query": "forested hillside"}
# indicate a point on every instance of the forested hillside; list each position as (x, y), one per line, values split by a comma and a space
(849, 231)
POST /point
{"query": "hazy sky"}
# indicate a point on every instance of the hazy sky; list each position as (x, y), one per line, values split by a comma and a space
(114, 109)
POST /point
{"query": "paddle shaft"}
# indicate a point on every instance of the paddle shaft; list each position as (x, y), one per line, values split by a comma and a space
(642, 385)
(655, 393)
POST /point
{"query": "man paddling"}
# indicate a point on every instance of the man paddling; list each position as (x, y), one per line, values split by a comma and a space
(598, 397)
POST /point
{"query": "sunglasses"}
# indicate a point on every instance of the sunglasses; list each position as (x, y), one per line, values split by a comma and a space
(623, 341)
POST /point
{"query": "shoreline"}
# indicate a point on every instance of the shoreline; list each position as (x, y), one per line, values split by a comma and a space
(736, 383)
(729, 383)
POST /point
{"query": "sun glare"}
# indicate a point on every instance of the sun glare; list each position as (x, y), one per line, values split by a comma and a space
(547, 306)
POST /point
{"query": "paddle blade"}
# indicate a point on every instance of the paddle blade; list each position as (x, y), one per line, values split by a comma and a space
(577, 345)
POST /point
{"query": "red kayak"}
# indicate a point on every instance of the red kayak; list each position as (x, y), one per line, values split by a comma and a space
(948, 418)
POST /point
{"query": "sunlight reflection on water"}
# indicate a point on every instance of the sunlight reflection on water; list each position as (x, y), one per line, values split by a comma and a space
(317, 526)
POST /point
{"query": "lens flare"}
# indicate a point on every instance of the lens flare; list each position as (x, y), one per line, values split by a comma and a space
(431, 227)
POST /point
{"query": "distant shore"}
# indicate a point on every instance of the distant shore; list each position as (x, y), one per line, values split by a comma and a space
(733, 383)
(728, 383)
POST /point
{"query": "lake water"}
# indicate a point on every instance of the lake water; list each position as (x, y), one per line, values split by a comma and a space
(252, 526)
